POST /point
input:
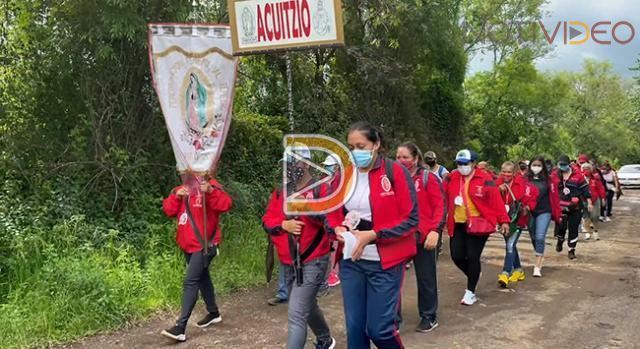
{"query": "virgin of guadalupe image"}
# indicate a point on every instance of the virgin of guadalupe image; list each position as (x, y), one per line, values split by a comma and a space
(322, 22)
(196, 104)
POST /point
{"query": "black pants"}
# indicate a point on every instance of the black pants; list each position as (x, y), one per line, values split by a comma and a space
(465, 252)
(570, 221)
(197, 279)
(607, 206)
(426, 276)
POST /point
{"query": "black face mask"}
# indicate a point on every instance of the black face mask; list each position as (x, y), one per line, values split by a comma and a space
(431, 162)
(294, 173)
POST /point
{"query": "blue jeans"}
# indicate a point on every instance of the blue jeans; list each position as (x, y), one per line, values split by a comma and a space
(283, 288)
(538, 226)
(371, 297)
(511, 258)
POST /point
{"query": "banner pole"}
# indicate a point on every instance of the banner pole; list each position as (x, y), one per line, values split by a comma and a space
(290, 90)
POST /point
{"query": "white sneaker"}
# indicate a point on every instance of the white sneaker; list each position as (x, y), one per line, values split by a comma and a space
(587, 236)
(595, 236)
(601, 218)
(537, 272)
(469, 298)
(607, 219)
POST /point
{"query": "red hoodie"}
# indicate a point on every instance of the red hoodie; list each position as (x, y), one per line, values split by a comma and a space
(524, 192)
(431, 204)
(596, 187)
(313, 225)
(217, 202)
(483, 192)
(394, 210)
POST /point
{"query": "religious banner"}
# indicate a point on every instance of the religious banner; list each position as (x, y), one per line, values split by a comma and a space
(194, 74)
(279, 25)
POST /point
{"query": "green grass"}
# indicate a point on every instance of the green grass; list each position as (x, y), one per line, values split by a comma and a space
(76, 280)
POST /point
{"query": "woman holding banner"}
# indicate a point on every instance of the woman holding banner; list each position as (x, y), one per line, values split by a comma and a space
(198, 210)
(377, 226)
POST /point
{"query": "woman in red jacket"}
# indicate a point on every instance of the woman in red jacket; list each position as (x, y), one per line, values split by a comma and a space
(474, 208)
(432, 219)
(198, 236)
(302, 244)
(384, 210)
(547, 207)
(519, 198)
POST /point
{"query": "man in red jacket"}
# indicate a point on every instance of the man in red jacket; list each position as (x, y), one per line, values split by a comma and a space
(197, 208)
(475, 207)
(302, 244)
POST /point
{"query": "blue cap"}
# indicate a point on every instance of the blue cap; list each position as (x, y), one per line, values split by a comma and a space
(466, 156)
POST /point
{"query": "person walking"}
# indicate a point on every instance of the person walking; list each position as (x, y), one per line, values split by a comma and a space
(378, 223)
(198, 208)
(598, 193)
(547, 208)
(474, 208)
(431, 207)
(613, 188)
(519, 200)
(431, 161)
(574, 192)
(302, 244)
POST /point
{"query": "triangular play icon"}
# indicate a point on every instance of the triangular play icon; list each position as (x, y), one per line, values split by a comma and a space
(574, 32)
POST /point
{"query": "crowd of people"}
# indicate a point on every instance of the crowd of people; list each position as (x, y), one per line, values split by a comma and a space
(396, 215)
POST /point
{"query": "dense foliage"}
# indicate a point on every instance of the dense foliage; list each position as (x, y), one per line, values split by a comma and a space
(85, 159)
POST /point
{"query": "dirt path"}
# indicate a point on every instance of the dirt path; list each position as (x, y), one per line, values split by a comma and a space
(593, 302)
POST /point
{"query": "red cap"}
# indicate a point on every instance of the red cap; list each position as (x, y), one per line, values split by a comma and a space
(583, 158)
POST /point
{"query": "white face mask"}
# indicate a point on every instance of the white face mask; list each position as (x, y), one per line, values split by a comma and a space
(465, 170)
(536, 169)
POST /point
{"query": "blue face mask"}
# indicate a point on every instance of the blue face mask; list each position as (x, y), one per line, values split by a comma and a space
(363, 157)
(331, 169)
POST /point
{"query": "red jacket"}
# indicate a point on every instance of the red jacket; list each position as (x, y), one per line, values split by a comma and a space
(431, 204)
(483, 193)
(394, 209)
(313, 225)
(554, 198)
(217, 202)
(524, 192)
(598, 191)
(577, 186)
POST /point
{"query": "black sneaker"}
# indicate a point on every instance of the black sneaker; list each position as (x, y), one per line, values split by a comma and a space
(211, 318)
(572, 254)
(559, 246)
(330, 344)
(176, 333)
(276, 301)
(427, 326)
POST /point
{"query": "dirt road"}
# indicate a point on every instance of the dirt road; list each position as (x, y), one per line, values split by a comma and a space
(592, 302)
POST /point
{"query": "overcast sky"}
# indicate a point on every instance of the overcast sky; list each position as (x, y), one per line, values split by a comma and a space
(570, 57)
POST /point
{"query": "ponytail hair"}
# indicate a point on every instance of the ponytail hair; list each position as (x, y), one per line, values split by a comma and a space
(370, 132)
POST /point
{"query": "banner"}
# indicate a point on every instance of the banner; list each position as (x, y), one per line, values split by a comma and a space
(194, 74)
(278, 25)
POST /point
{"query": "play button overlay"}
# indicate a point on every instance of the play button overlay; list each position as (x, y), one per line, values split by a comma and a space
(574, 32)
(298, 151)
